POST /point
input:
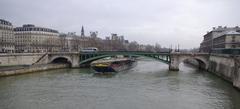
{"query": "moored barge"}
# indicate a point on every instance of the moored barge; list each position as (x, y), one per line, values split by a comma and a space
(113, 64)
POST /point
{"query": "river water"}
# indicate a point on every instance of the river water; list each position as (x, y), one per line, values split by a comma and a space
(147, 86)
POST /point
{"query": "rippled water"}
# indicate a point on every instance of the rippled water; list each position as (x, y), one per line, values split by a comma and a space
(148, 86)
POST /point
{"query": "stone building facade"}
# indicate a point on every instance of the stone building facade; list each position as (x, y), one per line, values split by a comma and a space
(30, 38)
(33, 39)
(7, 40)
(212, 40)
(228, 40)
(71, 42)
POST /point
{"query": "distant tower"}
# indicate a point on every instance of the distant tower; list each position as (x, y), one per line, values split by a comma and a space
(82, 32)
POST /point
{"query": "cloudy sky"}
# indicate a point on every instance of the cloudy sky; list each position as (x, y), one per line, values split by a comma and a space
(168, 22)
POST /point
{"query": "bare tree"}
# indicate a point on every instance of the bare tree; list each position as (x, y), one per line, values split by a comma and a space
(157, 47)
(133, 46)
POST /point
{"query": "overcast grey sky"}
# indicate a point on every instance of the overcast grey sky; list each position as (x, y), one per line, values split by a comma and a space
(166, 22)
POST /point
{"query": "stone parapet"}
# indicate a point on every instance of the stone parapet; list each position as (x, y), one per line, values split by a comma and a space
(31, 69)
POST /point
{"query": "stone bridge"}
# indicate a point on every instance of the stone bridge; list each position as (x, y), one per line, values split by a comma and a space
(177, 58)
(39, 58)
(71, 58)
(76, 59)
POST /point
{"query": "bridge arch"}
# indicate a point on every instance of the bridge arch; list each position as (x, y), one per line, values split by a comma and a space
(61, 60)
(202, 64)
(91, 59)
(86, 62)
(177, 59)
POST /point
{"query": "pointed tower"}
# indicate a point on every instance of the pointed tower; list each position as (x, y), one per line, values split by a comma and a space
(82, 32)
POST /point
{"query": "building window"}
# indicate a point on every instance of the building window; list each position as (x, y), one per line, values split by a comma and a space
(233, 38)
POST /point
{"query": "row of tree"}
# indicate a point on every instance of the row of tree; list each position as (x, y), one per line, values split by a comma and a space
(76, 43)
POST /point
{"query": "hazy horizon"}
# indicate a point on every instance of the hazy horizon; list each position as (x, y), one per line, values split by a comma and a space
(167, 22)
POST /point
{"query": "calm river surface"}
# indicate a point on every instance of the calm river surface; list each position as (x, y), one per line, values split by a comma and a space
(147, 86)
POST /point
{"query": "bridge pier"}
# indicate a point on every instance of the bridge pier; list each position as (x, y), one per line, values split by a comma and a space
(75, 61)
(173, 68)
(174, 65)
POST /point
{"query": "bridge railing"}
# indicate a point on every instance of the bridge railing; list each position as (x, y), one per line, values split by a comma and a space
(188, 53)
(124, 52)
(89, 56)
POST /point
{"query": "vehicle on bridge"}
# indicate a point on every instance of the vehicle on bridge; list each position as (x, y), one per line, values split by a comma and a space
(89, 49)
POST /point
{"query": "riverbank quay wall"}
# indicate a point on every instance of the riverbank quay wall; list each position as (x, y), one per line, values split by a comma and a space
(226, 66)
(20, 59)
(31, 69)
(16, 59)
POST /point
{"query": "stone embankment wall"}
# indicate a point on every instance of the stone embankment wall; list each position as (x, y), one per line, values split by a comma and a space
(236, 75)
(19, 59)
(31, 69)
(227, 67)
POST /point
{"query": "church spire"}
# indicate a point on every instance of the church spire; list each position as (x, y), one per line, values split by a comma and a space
(82, 32)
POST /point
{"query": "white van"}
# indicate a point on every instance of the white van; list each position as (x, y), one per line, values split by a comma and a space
(90, 49)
